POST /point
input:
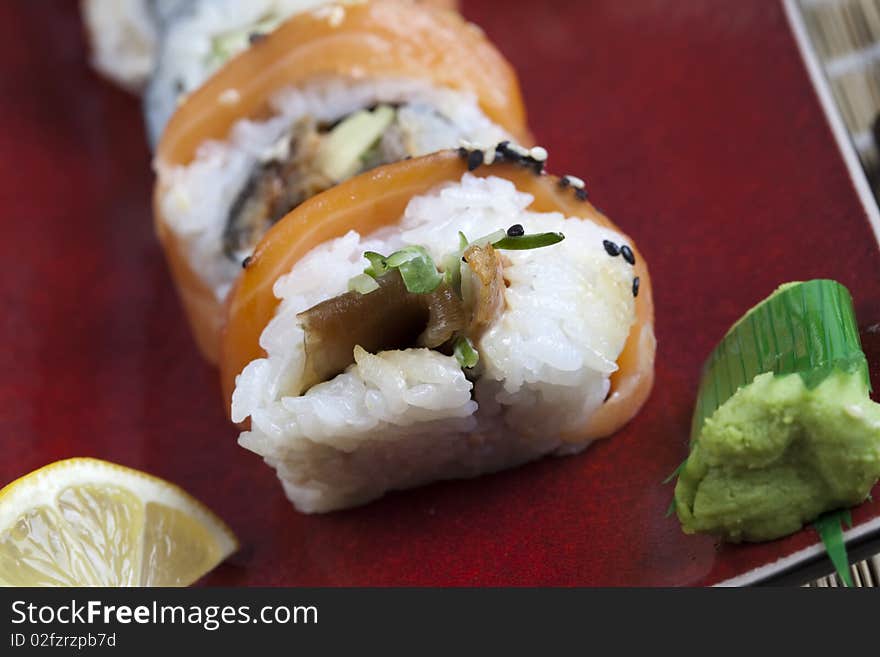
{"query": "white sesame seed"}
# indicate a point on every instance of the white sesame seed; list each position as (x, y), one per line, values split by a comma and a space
(574, 181)
(277, 152)
(229, 97)
(489, 155)
(337, 16)
(519, 150)
(538, 153)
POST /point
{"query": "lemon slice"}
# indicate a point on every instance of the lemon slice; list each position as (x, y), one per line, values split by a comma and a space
(85, 522)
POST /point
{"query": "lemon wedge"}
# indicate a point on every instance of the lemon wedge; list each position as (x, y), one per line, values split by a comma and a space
(86, 522)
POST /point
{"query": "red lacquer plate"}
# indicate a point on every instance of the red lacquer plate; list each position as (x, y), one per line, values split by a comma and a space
(696, 129)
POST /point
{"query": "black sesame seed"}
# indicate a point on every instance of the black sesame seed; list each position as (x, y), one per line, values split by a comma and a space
(463, 152)
(505, 152)
(516, 231)
(256, 37)
(627, 254)
(536, 166)
(474, 159)
(636, 286)
(563, 182)
(581, 194)
(611, 248)
(246, 262)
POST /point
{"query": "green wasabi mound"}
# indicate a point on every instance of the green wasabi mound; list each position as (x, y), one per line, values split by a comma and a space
(784, 428)
(776, 455)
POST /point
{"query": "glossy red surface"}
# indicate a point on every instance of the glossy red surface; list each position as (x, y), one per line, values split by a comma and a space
(697, 130)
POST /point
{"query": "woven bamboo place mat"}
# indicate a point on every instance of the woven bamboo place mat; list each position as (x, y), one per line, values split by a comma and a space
(844, 36)
(864, 573)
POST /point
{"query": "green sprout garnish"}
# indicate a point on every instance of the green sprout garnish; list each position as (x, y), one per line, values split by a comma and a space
(378, 267)
(492, 238)
(465, 352)
(524, 242)
(419, 272)
(363, 284)
(416, 267)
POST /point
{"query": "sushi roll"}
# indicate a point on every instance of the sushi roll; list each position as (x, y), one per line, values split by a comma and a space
(203, 35)
(177, 43)
(325, 96)
(123, 36)
(437, 318)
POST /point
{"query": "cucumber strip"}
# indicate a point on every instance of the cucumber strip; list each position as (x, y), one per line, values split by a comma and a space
(340, 154)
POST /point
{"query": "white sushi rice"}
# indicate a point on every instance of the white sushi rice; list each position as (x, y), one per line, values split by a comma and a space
(122, 35)
(402, 418)
(198, 196)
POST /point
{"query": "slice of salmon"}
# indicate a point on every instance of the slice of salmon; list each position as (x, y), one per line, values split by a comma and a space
(378, 198)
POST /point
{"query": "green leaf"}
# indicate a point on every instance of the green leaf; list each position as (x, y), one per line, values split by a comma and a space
(805, 328)
(525, 242)
(676, 472)
(830, 529)
(465, 353)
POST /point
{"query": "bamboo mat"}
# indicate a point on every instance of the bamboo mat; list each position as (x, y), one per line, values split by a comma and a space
(864, 573)
(845, 35)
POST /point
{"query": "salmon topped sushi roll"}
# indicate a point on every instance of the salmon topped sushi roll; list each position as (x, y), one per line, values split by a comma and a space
(170, 47)
(330, 93)
(437, 318)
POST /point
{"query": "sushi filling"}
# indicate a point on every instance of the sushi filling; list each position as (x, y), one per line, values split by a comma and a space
(312, 157)
(405, 300)
(387, 318)
(222, 203)
(423, 366)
